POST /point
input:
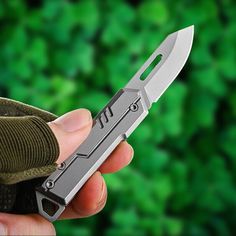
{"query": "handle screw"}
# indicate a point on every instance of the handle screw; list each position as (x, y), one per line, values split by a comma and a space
(61, 166)
(49, 184)
(133, 107)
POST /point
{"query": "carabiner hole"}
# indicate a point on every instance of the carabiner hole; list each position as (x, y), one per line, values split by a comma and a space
(148, 70)
(49, 207)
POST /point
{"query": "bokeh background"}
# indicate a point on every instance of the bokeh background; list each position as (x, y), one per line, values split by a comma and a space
(62, 55)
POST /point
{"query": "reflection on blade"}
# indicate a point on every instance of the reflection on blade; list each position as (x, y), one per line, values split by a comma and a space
(174, 51)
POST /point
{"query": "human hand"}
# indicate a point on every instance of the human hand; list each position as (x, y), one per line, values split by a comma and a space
(71, 130)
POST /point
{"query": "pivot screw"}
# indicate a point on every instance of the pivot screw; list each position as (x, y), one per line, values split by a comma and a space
(133, 107)
(49, 184)
(61, 166)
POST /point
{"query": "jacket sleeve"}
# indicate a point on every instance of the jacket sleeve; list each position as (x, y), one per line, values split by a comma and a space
(28, 153)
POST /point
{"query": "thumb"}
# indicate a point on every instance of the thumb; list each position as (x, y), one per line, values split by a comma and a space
(71, 130)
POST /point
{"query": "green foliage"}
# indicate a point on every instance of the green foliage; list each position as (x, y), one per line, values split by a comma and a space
(62, 55)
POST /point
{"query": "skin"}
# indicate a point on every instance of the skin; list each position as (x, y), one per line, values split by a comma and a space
(91, 199)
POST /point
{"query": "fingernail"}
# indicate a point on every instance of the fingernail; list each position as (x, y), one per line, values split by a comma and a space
(74, 120)
(103, 191)
(3, 229)
(132, 152)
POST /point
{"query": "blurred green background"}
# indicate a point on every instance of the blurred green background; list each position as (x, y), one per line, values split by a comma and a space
(62, 55)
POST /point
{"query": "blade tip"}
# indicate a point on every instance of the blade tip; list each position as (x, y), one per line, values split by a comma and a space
(187, 34)
(189, 29)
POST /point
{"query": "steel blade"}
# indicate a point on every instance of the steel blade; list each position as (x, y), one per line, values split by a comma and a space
(174, 51)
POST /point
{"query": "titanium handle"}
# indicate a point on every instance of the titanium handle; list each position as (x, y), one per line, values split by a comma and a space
(114, 123)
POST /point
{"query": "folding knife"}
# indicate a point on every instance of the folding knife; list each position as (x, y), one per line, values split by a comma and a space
(125, 111)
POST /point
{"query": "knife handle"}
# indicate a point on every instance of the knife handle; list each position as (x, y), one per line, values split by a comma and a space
(114, 123)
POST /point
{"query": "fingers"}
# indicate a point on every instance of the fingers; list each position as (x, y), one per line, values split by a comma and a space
(119, 158)
(90, 199)
(71, 130)
(31, 224)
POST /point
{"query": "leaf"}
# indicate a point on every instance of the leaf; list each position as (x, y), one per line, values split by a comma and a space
(227, 141)
(173, 226)
(154, 12)
(94, 101)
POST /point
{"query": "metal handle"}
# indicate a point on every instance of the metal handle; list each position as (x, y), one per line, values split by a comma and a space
(113, 124)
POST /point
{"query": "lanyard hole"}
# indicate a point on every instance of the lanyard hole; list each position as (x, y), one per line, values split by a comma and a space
(150, 67)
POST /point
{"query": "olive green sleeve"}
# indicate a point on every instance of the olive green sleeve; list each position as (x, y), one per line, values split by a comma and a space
(28, 151)
(9, 107)
(28, 147)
